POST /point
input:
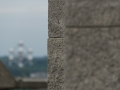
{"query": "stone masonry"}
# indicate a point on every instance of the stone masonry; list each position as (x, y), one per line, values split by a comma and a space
(56, 51)
(6, 79)
(92, 45)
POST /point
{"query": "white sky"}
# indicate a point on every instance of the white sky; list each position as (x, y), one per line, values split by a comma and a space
(25, 20)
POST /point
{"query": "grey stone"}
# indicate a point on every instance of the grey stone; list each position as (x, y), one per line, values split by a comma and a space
(56, 57)
(56, 18)
(92, 13)
(92, 59)
(6, 79)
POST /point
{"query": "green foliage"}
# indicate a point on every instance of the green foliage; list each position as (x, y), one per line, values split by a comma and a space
(39, 65)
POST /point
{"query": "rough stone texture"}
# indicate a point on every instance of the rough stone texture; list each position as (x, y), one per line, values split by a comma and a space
(56, 18)
(93, 13)
(56, 57)
(92, 59)
(6, 79)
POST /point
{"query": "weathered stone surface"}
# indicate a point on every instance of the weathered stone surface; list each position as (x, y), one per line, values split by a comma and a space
(56, 18)
(92, 59)
(6, 79)
(92, 13)
(56, 57)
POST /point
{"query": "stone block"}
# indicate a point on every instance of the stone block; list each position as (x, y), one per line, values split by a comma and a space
(56, 57)
(92, 59)
(56, 18)
(92, 13)
(6, 79)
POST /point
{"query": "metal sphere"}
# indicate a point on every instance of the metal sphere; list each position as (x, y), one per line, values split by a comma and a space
(20, 65)
(30, 50)
(11, 50)
(21, 43)
(30, 58)
(20, 50)
(11, 58)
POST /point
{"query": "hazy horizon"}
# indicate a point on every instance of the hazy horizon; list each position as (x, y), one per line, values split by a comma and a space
(25, 20)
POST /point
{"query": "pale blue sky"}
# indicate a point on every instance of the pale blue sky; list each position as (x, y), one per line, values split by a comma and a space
(25, 20)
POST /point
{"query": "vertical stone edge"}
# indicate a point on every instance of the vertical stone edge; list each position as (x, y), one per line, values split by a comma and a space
(56, 57)
(56, 16)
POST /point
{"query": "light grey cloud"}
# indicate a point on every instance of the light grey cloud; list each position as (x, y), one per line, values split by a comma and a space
(22, 6)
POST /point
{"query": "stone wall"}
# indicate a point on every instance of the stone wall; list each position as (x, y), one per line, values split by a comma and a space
(92, 45)
(56, 51)
(6, 79)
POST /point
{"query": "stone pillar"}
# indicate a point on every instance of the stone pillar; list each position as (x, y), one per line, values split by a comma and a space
(56, 55)
(92, 45)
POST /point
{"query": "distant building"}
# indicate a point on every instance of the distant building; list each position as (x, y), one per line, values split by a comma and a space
(42, 75)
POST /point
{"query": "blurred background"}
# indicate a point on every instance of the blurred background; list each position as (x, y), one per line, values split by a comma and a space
(25, 21)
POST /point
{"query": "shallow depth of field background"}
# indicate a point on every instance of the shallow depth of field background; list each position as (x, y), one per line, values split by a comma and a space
(25, 20)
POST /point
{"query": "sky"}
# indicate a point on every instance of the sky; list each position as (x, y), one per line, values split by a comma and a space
(25, 20)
